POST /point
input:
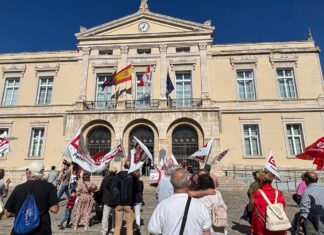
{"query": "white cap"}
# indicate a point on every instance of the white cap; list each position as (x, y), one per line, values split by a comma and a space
(36, 168)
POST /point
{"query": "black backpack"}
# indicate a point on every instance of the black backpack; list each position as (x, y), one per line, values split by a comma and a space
(113, 187)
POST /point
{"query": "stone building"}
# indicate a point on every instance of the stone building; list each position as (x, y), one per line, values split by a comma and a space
(252, 97)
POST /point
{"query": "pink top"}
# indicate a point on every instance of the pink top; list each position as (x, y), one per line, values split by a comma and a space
(301, 188)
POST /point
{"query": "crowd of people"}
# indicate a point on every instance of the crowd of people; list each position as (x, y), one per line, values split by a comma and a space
(187, 203)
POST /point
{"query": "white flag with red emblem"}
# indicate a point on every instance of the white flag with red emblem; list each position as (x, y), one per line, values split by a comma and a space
(139, 155)
(201, 154)
(271, 166)
(219, 157)
(146, 78)
(171, 162)
(80, 155)
(4, 146)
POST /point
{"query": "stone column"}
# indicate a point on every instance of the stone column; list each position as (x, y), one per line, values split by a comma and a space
(84, 76)
(203, 70)
(164, 69)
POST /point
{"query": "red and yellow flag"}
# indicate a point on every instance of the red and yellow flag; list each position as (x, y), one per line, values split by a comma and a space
(123, 75)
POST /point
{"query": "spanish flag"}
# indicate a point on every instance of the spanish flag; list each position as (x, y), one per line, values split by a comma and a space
(123, 75)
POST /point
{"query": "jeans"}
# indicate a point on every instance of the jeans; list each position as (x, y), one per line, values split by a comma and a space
(67, 216)
(137, 209)
(64, 189)
(105, 219)
(129, 214)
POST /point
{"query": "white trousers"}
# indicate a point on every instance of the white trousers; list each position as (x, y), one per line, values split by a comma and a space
(105, 219)
(137, 209)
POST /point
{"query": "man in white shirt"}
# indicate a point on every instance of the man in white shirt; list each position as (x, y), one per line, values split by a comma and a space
(167, 216)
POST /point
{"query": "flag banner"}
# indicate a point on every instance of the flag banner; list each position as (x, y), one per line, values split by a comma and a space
(136, 161)
(201, 154)
(80, 155)
(146, 78)
(169, 85)
(123, 75)
(141, 150)
(314, 152)
(4, 146)
(171, 162)
(109, 82)
(219, 157)
(271, 166)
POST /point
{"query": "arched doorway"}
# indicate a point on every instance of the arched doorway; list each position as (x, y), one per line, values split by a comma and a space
(98, 140)
(144, 134)
(185, 143)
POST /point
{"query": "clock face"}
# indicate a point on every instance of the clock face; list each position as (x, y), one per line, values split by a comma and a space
(143, 27)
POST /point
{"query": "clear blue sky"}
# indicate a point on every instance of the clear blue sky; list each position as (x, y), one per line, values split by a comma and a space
(35, 25)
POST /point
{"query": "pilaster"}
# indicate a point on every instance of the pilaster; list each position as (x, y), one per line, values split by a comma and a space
(203, 70)
(124, 86)
(164, 66)
(84, 76)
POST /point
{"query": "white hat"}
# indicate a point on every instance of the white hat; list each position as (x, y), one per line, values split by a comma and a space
(36, 167)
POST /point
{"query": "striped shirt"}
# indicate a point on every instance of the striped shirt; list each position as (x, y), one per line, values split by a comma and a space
(312, 201)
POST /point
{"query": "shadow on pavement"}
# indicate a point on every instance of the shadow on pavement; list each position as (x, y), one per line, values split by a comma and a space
(241, 228)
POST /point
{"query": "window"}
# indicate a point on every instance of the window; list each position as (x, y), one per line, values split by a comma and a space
(251, 140)
(11, 91)
(143, 51)
(103, 97)
(105, 52)
(99, 140)
(45, 90)
(183, 89)
(295, 139)
(36, 142)
(182, 49)
(286, 83)
(245, 84)
(143, 93)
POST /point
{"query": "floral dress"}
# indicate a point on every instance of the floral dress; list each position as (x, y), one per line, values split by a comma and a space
(84, 204)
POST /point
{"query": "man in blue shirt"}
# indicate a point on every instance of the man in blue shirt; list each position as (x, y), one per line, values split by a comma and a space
(312, 204)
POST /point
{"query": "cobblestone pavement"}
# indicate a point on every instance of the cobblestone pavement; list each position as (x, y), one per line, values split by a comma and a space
(235, 198)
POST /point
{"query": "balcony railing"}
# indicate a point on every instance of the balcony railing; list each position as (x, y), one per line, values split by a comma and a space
(98, 105)
(185, 103)
(142, 104)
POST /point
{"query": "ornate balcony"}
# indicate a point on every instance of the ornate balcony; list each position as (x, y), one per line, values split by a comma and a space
(185, 103)
(99, 105)
(142, 104)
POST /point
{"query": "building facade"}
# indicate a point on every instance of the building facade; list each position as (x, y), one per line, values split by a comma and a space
(252, 98)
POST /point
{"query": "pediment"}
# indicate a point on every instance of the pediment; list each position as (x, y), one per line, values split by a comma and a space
(158, 24)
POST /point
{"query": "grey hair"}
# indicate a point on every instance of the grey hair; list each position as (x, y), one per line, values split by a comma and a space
(182, 180)
(39, 175)
(171, 169)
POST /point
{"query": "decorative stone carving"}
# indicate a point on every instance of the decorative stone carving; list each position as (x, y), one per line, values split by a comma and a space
(203, 46)
(163, 48)
(124, 49)
(183, 64)
(101, 66)
(86, 50)
(244, 61)
(283, 59)
(14, 69)
(47, 68)
(144, 6)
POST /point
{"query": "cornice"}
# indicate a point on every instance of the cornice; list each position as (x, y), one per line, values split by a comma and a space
(39, 60)
(14, 69)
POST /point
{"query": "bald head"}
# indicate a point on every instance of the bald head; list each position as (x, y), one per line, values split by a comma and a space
(180, 179)
(310, 177)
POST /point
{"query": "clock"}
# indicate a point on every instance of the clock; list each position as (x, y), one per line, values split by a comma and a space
(143, 27)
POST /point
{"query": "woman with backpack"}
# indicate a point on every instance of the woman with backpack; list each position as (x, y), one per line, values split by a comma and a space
(259, 207)
(215, 205)
(85, 202)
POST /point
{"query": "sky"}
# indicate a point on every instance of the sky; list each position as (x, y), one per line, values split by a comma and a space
(44, 25)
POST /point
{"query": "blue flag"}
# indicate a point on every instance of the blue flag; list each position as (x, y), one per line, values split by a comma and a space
(169, 85)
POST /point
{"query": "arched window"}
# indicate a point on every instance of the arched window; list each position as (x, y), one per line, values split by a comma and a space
(98, 140)
(144, 134)
(185, 143)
